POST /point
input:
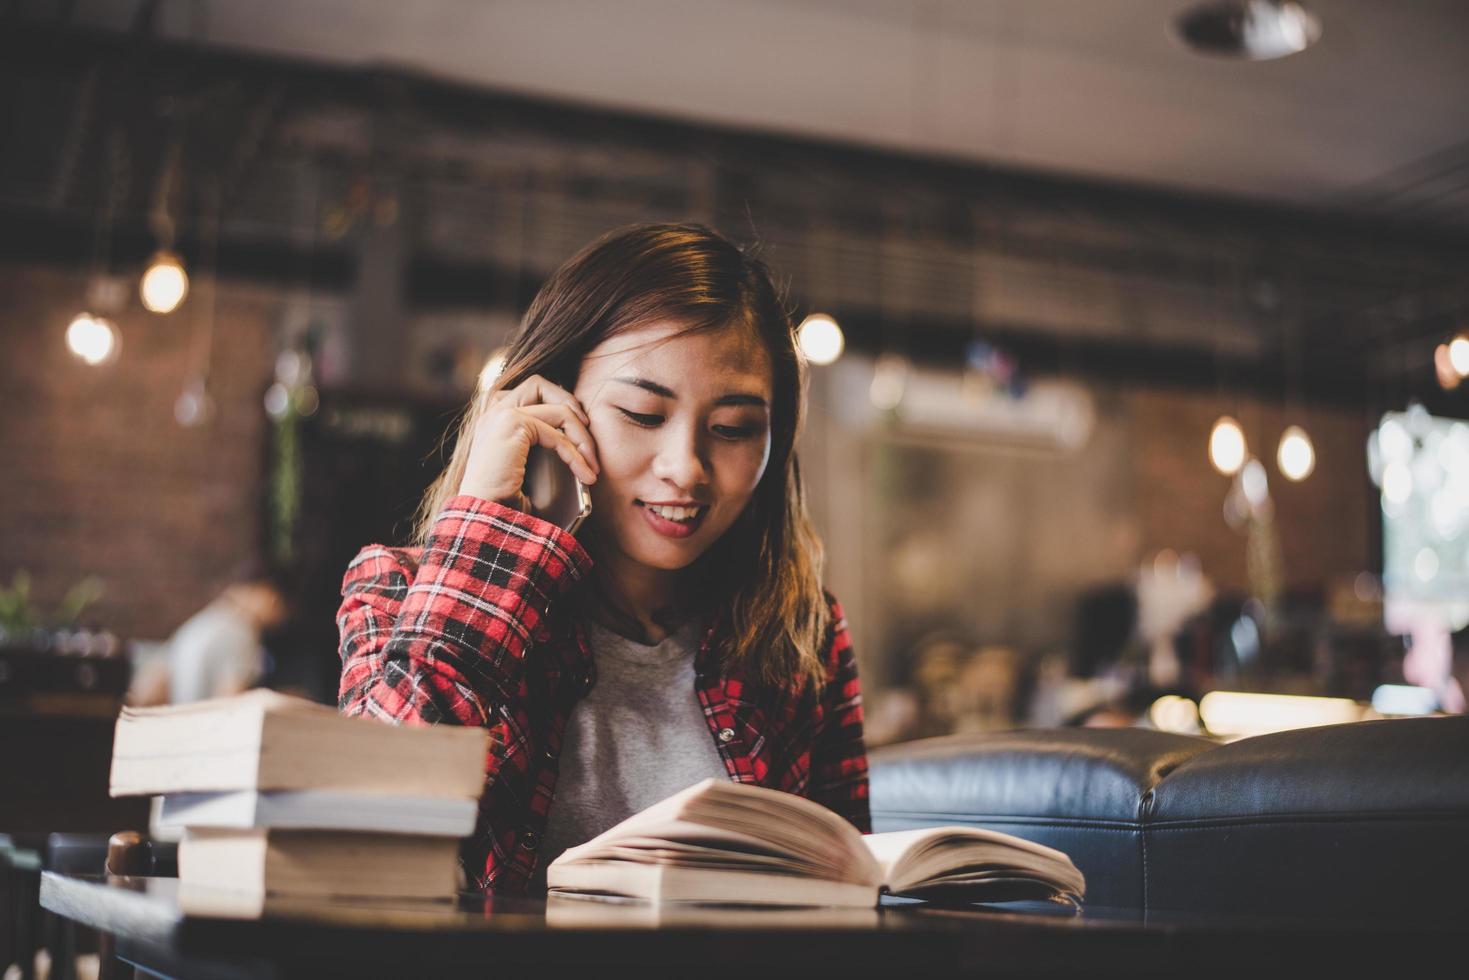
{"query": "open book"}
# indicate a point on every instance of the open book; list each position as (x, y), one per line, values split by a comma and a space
(726, 842)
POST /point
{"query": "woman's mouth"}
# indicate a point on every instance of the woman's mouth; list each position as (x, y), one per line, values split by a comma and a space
(673, 522)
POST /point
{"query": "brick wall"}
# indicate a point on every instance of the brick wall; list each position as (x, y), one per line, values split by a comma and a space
(1324, 522)
(96, 477)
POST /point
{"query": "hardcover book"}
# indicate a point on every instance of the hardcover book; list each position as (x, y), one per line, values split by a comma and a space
(264, 740)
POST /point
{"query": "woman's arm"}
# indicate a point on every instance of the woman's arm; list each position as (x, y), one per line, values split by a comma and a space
(839, 754)
(446, 642)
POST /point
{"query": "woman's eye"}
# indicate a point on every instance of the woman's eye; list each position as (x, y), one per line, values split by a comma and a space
(731, 432)
(641, 419)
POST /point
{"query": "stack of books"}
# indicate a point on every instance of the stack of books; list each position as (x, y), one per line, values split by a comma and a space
(279, 795)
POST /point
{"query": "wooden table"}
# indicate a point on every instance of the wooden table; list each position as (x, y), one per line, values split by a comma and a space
(170, 931)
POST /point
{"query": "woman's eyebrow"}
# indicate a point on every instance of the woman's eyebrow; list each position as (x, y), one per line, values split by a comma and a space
(662, 391)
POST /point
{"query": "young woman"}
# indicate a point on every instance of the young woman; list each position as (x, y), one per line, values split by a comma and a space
(683, 632)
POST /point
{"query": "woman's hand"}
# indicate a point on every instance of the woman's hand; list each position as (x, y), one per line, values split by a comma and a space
(533, 413)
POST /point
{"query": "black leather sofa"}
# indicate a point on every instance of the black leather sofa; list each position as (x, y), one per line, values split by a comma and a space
(1368, 821)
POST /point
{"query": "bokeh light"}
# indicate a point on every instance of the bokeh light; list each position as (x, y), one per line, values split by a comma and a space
(1297, 457)
(1459, 355)
(194, 406)
(1254, 483)
(820, 339)
(1425, 564)
(277, 401)
(165, 283)
(93, 340)
(1227, 446)
(1397, 482)
(889, 380)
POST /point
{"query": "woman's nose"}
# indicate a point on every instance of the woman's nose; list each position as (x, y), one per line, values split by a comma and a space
(680, 459)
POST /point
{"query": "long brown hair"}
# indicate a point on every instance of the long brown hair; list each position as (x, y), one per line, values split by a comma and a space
(767, 567)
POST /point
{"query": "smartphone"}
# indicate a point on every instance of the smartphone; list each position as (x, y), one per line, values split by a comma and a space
(555, 494)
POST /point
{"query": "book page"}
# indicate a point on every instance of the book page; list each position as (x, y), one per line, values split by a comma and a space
(889, 848)
(914, 858)
(743, 820)
(687, 842)
(686, 856)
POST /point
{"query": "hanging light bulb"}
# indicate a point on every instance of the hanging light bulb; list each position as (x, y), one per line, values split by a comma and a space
(1227, 446)
(165, 283)
(1296, 455)
(92, 339)
(820, 339)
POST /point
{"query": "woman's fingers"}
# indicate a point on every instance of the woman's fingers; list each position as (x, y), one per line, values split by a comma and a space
(569, 422)
(534, 412)
(537, 390)
(552, 438)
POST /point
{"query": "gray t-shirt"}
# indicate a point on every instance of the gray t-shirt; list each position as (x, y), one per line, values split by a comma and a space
(639, 737)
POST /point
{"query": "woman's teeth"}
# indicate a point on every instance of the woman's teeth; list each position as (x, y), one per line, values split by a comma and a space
(675, 513)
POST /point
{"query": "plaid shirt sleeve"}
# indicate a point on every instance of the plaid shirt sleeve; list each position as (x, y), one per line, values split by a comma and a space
(445, 641)
(839, 754)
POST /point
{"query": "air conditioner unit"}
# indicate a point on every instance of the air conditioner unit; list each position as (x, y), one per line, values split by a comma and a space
(942, 407)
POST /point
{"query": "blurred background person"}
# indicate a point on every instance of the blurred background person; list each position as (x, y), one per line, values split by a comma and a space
(223, 648)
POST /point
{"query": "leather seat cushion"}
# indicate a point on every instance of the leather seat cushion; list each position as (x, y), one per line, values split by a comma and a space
(1362, 821)
(1079, 790)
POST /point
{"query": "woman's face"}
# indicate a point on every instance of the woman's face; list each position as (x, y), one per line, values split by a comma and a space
(679, 422)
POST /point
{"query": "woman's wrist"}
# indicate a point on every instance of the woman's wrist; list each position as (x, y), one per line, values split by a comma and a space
(515, 501)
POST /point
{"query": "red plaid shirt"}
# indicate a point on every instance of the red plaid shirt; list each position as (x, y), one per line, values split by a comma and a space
(468, 631)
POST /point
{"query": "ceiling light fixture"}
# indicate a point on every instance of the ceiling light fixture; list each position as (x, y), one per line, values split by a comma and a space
(165, 283)
(1256, 30)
